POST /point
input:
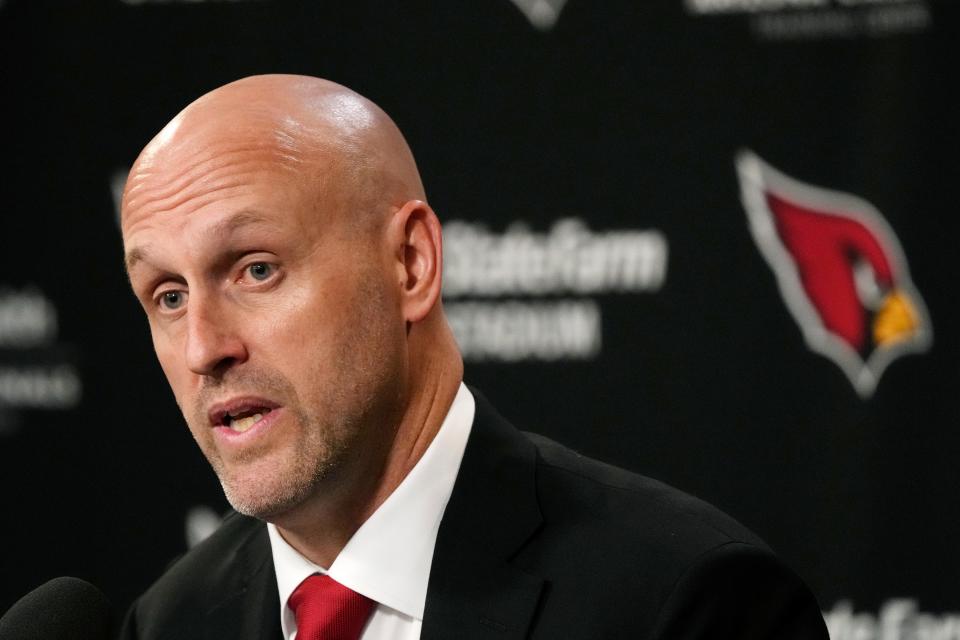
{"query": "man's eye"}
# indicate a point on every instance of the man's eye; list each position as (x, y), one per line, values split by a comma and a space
(172, 299)
(260, 270)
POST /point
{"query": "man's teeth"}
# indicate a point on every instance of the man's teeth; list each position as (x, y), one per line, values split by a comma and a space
(242, 424)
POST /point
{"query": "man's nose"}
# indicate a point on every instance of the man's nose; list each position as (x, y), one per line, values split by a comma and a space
(213, 344)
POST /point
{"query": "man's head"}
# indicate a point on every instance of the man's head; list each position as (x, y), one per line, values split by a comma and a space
(276, 235)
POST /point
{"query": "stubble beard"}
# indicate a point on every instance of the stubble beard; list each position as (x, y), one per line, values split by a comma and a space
(268, 488)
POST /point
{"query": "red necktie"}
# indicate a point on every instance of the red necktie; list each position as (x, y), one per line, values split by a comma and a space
(327, 610)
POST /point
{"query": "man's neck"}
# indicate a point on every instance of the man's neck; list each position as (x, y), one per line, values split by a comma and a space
(321, 526)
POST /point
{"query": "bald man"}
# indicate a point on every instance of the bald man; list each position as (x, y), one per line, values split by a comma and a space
(277, 234)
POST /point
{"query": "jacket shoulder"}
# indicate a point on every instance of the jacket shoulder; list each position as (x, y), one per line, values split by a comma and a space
(571, 485)
(613, 541)
(199, 581)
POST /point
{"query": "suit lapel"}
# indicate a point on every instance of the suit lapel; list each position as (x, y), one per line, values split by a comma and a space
(249, 606)
(474, 590)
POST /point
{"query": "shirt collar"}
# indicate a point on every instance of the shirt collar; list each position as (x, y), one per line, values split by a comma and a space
(388, 558)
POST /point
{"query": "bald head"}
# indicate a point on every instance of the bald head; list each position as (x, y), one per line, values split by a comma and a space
(331, 139)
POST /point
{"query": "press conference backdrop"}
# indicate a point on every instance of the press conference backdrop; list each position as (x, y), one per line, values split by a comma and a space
(713, 241)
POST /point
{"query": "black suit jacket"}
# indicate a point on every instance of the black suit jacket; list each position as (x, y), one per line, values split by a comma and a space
(536, 542)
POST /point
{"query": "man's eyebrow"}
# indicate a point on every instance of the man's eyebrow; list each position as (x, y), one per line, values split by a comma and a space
(134, 256)
(222, 228)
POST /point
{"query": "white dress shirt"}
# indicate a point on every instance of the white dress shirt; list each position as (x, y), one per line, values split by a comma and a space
(388, 558)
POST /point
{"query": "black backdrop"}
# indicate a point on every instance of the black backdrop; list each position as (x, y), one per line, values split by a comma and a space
(623, 119)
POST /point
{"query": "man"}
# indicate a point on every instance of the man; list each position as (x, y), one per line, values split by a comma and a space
(277, 235)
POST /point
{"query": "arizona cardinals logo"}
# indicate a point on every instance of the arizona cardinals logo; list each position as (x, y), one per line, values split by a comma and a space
(840, 269)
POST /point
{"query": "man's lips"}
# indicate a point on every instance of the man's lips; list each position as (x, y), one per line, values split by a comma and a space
(241, 413)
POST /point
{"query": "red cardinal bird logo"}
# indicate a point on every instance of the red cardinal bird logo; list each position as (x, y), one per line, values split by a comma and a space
(840, 269)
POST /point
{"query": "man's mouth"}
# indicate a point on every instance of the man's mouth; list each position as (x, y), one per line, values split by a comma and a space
(244, 420)
(240, 415)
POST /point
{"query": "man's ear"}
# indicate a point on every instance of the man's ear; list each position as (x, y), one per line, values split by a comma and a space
(415, 236)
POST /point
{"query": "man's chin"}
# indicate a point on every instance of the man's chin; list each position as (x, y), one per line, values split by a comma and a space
(264, 493)
(265, 505)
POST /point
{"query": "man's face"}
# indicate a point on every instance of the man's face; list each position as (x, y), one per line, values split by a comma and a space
(271, 317)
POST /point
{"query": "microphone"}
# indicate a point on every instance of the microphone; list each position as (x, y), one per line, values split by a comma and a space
(59, 609)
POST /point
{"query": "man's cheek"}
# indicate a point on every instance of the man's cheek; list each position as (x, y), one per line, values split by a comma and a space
(178, 377)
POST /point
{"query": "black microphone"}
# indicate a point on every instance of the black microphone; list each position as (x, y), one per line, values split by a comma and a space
(59, 609)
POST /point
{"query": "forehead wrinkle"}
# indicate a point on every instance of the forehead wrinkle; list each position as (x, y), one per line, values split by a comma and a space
(155, 187)
(195, 138)
(198, 195)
